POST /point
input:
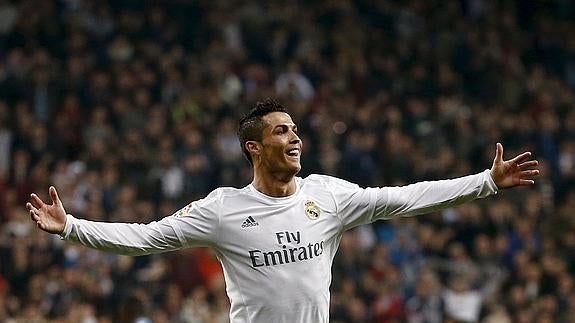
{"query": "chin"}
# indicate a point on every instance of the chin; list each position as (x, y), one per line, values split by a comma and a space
(297, 169)
(293, 169)
(287, 174)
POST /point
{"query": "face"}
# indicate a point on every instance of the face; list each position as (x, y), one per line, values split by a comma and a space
(280, 148)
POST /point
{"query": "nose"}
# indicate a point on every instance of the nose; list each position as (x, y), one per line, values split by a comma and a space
(294, 138)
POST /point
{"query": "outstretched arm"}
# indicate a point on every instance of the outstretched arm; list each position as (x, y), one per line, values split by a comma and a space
(192, 227)
(358, 206)
(514, 172)
(432, 196)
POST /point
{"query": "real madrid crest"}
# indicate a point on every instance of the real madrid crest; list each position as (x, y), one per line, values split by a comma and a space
(311, 210)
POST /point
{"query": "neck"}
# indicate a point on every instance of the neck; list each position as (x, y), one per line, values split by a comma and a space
(273, 185)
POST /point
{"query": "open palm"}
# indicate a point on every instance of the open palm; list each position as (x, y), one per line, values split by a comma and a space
(514, 172)
(48, 217)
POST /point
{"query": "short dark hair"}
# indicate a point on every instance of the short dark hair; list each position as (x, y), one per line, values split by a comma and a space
(251, 125)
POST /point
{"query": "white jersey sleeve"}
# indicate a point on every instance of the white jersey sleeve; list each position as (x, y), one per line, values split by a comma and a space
(356, 205)
(194, 225)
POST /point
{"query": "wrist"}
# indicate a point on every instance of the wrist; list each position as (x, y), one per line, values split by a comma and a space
(69, 219)
(491, 181)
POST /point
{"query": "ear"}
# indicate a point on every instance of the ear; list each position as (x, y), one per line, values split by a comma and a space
(253, 147)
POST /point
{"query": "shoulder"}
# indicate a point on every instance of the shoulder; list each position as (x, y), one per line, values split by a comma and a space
(328, 182)
(213, 202)
(226, 192)
(316, 180)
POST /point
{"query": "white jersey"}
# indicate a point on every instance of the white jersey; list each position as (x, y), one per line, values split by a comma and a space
(277, 253)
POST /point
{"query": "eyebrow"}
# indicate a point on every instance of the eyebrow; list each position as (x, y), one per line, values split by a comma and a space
(286, 125)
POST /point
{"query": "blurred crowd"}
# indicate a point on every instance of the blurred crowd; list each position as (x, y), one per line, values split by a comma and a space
(130, 107)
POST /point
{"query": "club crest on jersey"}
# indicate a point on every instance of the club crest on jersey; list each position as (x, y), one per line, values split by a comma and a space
(311, 210)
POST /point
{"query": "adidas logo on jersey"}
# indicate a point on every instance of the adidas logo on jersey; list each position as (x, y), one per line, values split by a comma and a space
(250, 222)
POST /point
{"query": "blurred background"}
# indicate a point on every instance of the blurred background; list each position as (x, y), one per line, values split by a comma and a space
(130, 107)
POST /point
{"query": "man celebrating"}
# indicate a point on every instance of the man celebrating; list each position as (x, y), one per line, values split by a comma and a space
(276, 238)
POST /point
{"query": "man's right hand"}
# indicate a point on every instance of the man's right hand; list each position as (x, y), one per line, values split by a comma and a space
(48, 217)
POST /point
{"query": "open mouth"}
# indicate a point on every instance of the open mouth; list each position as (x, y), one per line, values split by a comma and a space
(294, 152)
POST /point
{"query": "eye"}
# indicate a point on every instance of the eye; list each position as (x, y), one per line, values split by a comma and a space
(280, 130)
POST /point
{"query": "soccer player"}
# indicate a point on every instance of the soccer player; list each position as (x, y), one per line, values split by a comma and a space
(276, 238)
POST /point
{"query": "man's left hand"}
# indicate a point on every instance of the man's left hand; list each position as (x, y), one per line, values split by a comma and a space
(518, 171)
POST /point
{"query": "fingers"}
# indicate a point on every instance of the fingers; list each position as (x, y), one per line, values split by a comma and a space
(41, 213)
(498, 152)
(36, 201)
(526, 182)
(524, 175)
(31, 207)
(520, 158)
(529, 173)
(528, 164)
(54, 195)
(34, 217)
(33, 212)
